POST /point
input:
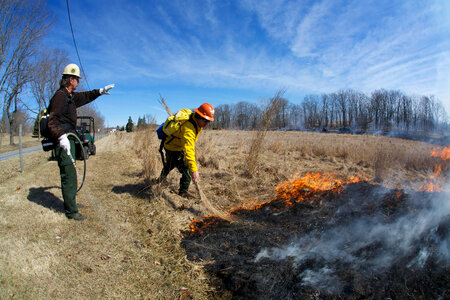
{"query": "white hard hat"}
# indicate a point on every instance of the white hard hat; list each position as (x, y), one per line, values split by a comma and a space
(72, 69)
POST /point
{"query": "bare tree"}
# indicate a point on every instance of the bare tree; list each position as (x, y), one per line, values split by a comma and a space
(91, 110)
(222, 116)
(45, 78)
(22, 25)
(240, 115)
(311, 111)
(14, 87)
(280, 120)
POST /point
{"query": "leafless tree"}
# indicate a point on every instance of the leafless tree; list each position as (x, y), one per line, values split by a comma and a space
(14, 87)
(22, 25)
(91, 110)
(222, 116)
(45, 78)
(280, 120)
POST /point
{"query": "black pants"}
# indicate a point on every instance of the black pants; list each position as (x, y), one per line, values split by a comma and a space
(176, 159)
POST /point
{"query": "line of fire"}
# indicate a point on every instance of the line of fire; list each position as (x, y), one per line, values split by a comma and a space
(323, 238)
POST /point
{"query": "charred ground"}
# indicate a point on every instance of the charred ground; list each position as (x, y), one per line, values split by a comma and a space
(234, 250)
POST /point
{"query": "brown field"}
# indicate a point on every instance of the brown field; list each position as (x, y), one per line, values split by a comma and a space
(27, 142)
(129, 247)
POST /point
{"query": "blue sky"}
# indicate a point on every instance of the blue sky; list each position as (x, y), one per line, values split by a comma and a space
(223, 52)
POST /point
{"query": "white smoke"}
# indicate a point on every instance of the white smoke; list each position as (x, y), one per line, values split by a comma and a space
(368, 244)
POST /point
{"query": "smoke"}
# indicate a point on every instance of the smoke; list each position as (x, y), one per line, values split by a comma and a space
(369, 244)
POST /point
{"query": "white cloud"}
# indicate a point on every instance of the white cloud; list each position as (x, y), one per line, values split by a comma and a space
(309, 46)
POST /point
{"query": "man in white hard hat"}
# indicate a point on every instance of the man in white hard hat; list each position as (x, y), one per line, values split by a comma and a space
(62, 120)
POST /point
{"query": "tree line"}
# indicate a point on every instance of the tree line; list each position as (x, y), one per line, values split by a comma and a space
(346, 110)
(29, 72)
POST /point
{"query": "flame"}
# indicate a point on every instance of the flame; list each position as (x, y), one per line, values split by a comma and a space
(198, 227)
(444, 154)
(312, 186)
(398, 195)
(437, 179)
(309, 186)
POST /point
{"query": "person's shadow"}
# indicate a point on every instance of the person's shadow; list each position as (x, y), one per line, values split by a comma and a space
(46, 199)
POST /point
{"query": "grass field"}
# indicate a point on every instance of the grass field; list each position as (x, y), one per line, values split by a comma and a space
(27, 142)
(129, 246)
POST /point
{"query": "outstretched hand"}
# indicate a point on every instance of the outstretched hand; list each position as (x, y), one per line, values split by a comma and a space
(105, 90)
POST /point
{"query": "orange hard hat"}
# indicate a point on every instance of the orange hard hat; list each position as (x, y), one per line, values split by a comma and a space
(206, 111)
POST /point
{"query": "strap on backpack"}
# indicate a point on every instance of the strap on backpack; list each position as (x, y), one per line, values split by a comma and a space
(163, 140)
(191, 119)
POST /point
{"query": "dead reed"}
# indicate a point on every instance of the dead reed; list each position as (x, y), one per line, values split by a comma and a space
(271, 110)
(163, 103)
(207, 204)
(146, 145)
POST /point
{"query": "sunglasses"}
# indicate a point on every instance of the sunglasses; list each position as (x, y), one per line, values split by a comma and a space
(206, 121)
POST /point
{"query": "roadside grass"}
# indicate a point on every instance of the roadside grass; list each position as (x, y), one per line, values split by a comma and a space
(129, 246)
(27, 142)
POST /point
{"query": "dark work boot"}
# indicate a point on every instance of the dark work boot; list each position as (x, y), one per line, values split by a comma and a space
(77, 217)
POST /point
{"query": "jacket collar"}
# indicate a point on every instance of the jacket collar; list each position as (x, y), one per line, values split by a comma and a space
(66, 92)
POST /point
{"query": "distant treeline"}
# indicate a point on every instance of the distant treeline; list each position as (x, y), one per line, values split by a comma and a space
(383, 111)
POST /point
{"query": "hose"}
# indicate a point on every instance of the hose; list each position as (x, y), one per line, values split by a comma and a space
(84, 158)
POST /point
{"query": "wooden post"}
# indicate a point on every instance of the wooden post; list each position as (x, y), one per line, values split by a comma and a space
(20, 148)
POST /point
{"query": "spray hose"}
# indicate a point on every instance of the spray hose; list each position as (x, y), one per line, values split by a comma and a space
(84, 158)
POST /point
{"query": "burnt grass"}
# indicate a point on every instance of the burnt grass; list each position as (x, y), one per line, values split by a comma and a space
(230, 249)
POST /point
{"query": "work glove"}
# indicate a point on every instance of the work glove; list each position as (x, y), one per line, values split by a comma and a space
(64, 143)
(105, 90)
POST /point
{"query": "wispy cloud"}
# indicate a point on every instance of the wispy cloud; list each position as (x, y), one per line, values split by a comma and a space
(306, 46)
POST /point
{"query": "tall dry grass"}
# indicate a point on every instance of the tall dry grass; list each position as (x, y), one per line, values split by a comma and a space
(271, 110)
(283, 154)
(163, 103)
(146, 146)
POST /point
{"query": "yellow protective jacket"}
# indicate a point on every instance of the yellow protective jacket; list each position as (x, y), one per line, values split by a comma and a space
(184, 140)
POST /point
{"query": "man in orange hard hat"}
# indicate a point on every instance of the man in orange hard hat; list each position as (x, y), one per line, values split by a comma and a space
(180, 147)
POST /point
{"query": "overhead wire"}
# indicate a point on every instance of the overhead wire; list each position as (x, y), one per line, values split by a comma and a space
(75, 44)
(78, 55)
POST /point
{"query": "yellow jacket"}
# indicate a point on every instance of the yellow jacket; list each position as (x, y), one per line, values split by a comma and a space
(184, 140)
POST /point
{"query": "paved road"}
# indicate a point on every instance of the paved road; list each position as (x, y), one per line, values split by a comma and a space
(28, 150)
(15, 153)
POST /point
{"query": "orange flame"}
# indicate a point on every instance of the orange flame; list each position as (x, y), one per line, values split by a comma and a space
(312, 186)
(444, 154)
(309, 187)
(437, 179)
(198, 227)
(300, 189)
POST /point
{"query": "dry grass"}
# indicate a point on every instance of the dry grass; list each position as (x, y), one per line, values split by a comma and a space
(269, 113)
(129, 247)
(27, 142)
(146, 146)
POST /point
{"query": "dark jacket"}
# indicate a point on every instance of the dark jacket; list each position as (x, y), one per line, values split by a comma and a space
(63, 110)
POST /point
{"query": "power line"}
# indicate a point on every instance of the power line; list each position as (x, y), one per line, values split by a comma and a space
(76, 49)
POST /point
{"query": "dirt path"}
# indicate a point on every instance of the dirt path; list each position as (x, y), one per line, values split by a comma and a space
(117, 252)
